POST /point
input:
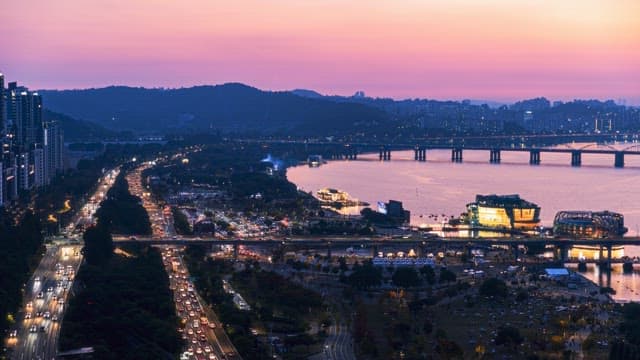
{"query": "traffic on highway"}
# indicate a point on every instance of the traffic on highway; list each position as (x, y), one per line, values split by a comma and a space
(46, 294)
(204, 335)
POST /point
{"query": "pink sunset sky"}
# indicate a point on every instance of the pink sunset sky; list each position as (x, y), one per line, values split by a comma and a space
(500, 50)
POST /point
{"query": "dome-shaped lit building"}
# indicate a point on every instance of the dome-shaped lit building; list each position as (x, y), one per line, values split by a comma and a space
(589, 224)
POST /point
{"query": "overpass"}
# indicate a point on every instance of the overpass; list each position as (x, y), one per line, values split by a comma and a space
(561, 245)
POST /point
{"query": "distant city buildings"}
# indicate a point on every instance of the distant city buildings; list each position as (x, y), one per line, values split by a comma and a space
(31, 149)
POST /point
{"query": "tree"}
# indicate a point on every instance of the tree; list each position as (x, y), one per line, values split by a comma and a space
(508, 335)
(429, 274)
(447, 276)
(406, 277)
(494, 287)
(98, 245)
(365, 276)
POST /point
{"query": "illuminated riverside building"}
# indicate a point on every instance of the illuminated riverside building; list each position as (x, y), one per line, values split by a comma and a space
(590, 224)
(332, 195)
(508, 212)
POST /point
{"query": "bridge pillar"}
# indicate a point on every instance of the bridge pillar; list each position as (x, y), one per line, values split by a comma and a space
(564, 253)
(619, 160)
(456, 155)
(494, 156)
(576, 158)
(601, 255)
(609, 246)
(419, 153)
(385, 154)
(235, 251)
(534, 157)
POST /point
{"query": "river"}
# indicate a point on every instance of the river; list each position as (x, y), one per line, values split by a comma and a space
(441, 188)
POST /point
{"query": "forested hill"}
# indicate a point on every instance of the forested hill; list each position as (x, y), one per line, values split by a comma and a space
(229, 108)
(79, 130)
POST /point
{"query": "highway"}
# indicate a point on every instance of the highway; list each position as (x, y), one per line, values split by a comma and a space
(203, 333)
(45, 297)
(338, 344)
(46, 293)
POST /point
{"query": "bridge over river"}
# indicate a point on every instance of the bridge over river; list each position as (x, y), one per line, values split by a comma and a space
(561, 245)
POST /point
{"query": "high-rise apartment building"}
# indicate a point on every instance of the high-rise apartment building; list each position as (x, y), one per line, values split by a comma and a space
(31, 152)
(1, 184)
(53, 149)
(3, 104)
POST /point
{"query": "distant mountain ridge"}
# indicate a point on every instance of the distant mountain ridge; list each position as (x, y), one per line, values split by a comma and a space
(79, 130)
(230, 107)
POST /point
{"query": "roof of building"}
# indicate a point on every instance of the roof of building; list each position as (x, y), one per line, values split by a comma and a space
(556, 272)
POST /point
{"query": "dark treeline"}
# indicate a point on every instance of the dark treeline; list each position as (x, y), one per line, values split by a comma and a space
(20, 250)
(125, 309)
(238, 171)
(121, 212)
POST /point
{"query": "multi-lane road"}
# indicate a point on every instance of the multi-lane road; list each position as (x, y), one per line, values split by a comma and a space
(202, 331)
(37, 329)
(45, 296)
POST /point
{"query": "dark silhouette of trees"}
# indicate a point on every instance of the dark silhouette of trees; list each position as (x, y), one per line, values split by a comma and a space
(98, 245)
(494, 287)
(447, 276)
(121, 212)
(20, 247)
(429, 274)
(406, 277)
(124, 309)
(365, 276)
(180, 222)
(508, 335)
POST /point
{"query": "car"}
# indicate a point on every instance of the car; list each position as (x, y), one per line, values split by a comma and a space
(38, 314)
(42, 329)
(212, 357)
(40, 295)
(13, 334)
(47, 315)
(190, 331)
(208, 349)
(199, 351)
(27, 315)
(49, 289)
(54, 318)
(212, 325)
(29, 305)
(33, 329)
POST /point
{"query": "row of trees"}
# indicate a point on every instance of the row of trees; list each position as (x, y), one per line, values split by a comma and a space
(125, 309)
(121, 212)
(20, 250)
(364, 276)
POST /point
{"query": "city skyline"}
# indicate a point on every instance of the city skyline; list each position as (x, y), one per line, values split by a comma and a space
(497, 50)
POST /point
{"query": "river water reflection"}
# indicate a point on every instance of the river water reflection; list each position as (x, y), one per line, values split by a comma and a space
(440, 187)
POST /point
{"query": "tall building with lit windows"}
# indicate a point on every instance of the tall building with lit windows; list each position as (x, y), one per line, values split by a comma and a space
(30, 150)
(3, 102)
